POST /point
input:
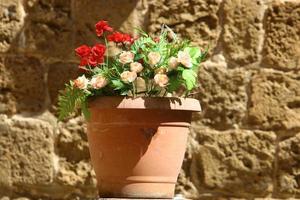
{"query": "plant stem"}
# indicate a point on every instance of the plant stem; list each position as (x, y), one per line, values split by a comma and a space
(106, 44)
(133, 90)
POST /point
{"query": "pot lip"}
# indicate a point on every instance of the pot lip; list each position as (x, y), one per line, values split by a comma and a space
(152, 103)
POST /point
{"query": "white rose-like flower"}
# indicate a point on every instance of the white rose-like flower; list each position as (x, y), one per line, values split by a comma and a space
(173, 63)
(128, 76)
(161, 80)
(81, 82)
(154, 58)
(185, 59)
(126, 57)
(136, 67)
(98, 82)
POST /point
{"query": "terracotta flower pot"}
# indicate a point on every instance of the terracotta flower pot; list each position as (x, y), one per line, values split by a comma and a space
(137, 145)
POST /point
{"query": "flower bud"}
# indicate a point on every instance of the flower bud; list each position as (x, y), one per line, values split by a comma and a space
(136, 67)
(185, 59)
(128, 76)
(98, 82)
(154, 58)
(173, 63)
(126, 57)
(81, 82)
(161, 80)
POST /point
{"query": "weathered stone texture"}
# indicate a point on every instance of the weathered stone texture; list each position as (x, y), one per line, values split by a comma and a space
(289, 167)
(72, 140)
(245, 143)
(22, 81)
(234, 160)
(223, 94)
(26, 151)
(282, 40)
(12, 17)
(48, 30)
(196, 20)
(242, 30)
(131, 14)
(275, 100)
(59, 73)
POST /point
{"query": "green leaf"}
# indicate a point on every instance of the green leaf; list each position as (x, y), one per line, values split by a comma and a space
(85, 110)
(194, 52)
(190, 78)
(117, 84)
(174, 83)
(69, 100)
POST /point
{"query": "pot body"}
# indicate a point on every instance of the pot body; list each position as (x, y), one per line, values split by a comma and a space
(136, 152)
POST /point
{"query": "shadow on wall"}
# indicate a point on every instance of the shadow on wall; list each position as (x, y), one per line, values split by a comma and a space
(38, 47)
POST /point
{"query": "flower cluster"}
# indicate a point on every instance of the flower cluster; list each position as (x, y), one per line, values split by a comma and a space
(145, 66)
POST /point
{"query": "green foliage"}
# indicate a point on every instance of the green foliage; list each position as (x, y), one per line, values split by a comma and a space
(70, 100)
(190, 78)
(167, 45)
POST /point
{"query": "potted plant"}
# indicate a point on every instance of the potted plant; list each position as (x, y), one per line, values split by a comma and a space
(137, 128)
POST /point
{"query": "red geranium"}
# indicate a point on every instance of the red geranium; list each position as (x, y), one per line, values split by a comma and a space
(83, 51)
(120, 37)
(101, 27)
(91, 56)
(97, 54)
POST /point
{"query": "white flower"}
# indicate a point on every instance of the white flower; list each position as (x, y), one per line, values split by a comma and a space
(98, 82)
(126, 57)
(185, 59)
(128, 76)
(81, 82)
(173, 63)
(161, 80)
(154, 58)
(136, 67)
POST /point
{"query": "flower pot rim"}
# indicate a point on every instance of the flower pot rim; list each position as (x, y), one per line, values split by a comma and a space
(151, 103)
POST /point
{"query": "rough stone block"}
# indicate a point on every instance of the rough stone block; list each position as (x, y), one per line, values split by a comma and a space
(12, 16)
(194, 19)
(130, 14)
(282, 41)
(243, 30)
(79, 174)
(27, 150)
(235, 162)
(49, 29)
(72, 140)
(23, 84)
(275, 100)
(223, 96)
(289, 167)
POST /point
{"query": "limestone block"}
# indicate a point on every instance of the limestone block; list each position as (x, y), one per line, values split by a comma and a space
(289, 167)
(222, 94)
(27, 150)
(49, 29)
(234, 162)
(23, 84)
(72, 140)
(123, 16)
(243, 30)
(275, 100)
(282, 39)
(12, 16)
(194, 19)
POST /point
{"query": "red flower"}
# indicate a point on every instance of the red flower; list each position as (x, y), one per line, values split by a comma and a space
(97, 55)
(91, 56)
(102, 26)
(83, 51)
(120, 37)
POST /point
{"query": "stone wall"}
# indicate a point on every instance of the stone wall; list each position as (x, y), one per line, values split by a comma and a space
(244, 145)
